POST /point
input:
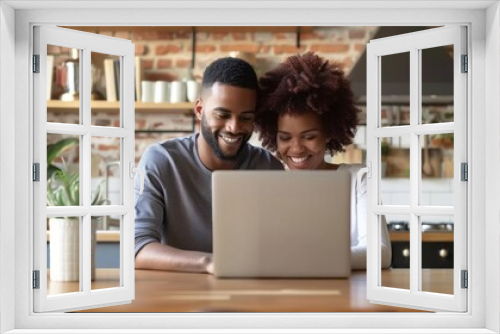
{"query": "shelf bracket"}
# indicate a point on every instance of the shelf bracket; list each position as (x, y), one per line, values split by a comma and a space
(193, 45)
(298, 38)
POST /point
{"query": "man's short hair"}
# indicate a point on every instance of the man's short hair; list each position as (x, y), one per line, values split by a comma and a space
(230, 71)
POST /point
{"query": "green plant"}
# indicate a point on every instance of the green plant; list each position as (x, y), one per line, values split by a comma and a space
(55, 150)
(384, 148)
(63, 189)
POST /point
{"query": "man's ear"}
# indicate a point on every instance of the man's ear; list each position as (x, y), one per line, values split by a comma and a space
(198, 108)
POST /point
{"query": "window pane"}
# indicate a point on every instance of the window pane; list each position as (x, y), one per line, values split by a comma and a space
(395, 89)
(105, 78)
(398, 275)
(395, 170)
(105, 171)
(437, 84)
(437, 170)
(63, 170)
(63, 84)
(437, 254)
(106, 250)
(63, 258)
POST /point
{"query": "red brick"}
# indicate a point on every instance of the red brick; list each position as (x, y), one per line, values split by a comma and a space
(145, 35)
(239, 36)
(169, 48)
(347, 62)
(330, 48)
(141, 49)
(265, 48)
(279, 49)
(183, 35)
(122, 34)
(183, 63)
(147, 64)
(140, 124)
(106, 33)
(103, 147)
(203, 48)
(357, 33)
(218, 36)
(116, 123)
(166, 35)
(240, 47)
(280, 36)
(165, 76)
(310, 35)
(163, 63)
(359, 47)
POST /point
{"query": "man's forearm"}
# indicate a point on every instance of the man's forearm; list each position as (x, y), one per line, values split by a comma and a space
(162, 257)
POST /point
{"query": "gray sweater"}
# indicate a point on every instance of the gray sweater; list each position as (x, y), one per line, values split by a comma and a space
(176, 205)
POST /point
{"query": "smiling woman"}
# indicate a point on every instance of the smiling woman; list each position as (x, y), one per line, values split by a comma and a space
(307, 110)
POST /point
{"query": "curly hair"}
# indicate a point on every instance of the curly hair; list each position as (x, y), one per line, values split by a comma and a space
(305, 83)
(230, 71)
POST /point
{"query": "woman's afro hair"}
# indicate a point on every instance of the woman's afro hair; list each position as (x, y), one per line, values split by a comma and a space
(307, 83)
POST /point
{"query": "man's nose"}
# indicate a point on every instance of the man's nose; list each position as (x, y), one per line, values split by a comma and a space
(233, 125)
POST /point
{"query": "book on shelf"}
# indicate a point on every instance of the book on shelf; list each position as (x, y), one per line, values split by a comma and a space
(116, 64)
(109, 75)
(138, 77)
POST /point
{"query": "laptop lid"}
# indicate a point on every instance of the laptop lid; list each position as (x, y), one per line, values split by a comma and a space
(281, 224)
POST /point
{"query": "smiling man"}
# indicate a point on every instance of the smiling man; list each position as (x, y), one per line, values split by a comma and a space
(173, 216)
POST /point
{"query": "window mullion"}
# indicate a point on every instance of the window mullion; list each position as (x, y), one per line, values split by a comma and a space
(414, 177)
(85, 172)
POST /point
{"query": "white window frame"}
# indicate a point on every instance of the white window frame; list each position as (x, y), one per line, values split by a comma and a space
(413, 44)
(86, 43)
(483, 293)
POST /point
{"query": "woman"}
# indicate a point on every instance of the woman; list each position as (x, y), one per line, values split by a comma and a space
(307, 110)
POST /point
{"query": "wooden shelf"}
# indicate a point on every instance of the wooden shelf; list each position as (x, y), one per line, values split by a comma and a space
(114, 107)
(102, 236)
(404, 236)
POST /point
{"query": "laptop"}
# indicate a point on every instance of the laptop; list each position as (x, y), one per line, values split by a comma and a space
(281, 223)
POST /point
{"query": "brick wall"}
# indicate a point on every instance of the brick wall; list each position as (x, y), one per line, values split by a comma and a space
(168, 56)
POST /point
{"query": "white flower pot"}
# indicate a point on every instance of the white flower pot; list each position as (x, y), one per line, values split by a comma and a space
(65, 249)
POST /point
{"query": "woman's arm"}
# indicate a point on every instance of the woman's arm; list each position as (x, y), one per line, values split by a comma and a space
(358, 251)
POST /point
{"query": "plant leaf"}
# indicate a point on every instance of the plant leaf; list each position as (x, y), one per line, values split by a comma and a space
(54, 150)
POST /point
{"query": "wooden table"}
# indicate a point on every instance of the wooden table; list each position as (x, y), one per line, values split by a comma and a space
(162, 291)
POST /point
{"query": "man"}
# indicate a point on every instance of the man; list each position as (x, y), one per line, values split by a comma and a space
(173, 223)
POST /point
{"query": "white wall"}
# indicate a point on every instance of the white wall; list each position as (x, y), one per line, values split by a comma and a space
(492, 166)
(7, 171)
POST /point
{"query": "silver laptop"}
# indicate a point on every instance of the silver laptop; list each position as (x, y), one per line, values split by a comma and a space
(281, 223)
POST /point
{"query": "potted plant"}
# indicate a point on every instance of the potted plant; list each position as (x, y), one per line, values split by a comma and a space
(63, 189)
(384, 152)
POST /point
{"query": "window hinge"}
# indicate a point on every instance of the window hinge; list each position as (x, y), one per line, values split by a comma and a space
(36, 279)
(465, 279)
(465, 64)
(36, 63)
(36, 172)
(464, 172)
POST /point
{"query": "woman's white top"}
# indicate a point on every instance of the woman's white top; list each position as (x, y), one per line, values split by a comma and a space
(359, 222)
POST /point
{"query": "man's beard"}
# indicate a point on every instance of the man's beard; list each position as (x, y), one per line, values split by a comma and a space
(212, 140)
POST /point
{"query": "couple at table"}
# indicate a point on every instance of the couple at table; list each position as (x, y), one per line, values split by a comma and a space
(302, 109)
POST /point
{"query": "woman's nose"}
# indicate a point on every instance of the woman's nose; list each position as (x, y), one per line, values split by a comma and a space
(296, 146)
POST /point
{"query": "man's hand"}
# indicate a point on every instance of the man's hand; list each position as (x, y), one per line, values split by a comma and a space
(162, 257)
(209, 267)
